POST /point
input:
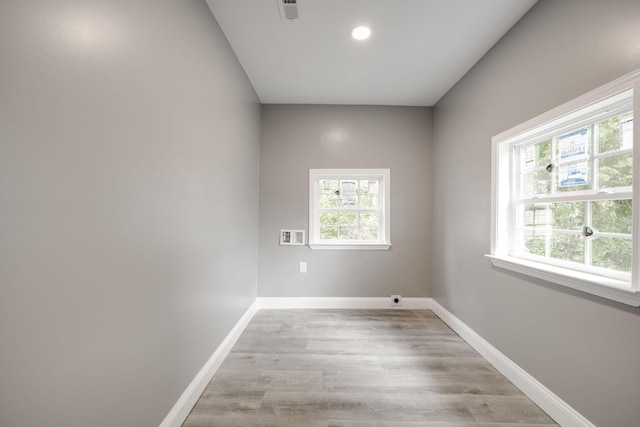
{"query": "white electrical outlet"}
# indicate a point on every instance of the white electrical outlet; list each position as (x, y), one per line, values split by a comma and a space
(303, 267)
(396, 299)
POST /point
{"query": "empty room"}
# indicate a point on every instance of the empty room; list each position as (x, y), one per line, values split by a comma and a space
(336, 213)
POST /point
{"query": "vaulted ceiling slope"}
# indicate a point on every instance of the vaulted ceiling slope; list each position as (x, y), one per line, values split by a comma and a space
(417, 51)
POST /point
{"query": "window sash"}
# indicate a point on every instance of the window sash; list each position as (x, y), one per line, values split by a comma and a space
(610, 100)
(590, 159)
(382, 211)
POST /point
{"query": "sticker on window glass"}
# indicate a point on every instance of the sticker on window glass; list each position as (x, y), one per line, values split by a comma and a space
(348, 187)
(573, 144)
(573, 174)
(528, 157)
(348, 193)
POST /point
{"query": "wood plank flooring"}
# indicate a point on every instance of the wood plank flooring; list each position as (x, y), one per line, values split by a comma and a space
(356, 368)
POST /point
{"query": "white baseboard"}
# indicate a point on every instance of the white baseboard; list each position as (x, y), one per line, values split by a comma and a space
(557, 408)
(408, 303)
(190, 396)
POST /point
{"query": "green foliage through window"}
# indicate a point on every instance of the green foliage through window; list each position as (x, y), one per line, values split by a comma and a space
(349, 209)
(600, 160)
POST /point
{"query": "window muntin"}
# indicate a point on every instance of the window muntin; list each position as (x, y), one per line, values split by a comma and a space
(592, 160)
(349, 208)
(563, 186)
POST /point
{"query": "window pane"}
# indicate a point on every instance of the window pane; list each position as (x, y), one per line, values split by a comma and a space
(573, 168)
(536, 182)
(536, 155)
(349, 233)
(330, 201)
(348, 218)
(369, 219)
(575, 176)
(369, 201)
(349, 200)
(368, 233)
(536, 215)
(534, 241)
(348, 193)
(614, 254)
(612, 216)
(615, 133)
(348, 186)
(329, 233)
(370, 186)
(567, 215)
(574, 145)
(329, 218)
(328, 186)
(616, 171)
(567, 247)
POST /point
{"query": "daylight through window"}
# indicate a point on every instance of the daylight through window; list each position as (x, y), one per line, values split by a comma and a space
(563, 191)
(349, 208)
(575, 193)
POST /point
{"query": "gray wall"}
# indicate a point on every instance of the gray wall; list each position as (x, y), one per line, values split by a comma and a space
(129, 140)
(296, 138)
(583, 348)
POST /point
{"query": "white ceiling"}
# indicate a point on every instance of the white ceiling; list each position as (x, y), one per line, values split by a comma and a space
(418, 49)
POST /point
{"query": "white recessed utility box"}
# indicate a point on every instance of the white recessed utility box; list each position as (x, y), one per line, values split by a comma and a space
(288, 10)
(292, 237)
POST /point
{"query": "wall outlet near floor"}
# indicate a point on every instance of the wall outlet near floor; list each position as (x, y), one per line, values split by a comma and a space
(303, 267)
(396, 299)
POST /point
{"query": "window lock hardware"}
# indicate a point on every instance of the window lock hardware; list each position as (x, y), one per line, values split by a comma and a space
(587, 231)
(549, 167)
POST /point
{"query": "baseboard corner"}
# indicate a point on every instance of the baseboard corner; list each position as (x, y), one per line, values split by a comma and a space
(190, 396)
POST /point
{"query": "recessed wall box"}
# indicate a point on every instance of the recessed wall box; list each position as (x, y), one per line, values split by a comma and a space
(292, 237)
(288, 10)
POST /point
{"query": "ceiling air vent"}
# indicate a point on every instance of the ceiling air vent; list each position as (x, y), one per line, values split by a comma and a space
(288, 9)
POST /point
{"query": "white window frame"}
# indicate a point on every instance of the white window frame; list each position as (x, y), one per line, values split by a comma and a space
(384, 240)
(503, 185)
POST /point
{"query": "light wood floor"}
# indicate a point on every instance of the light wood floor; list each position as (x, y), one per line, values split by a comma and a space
(355, 368)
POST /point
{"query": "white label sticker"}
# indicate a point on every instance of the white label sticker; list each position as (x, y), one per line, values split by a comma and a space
(573, 174)
(528, 157)
(573, 144)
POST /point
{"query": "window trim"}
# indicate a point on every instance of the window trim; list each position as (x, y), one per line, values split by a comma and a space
(570, 113)
(384, 242)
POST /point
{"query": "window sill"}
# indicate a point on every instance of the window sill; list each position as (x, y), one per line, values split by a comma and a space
(351, 246)
(616, 290)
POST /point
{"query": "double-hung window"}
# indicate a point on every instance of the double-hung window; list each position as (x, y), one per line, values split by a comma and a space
(563, 187)
(349, 209)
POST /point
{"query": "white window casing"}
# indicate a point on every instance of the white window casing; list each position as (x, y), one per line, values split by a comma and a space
(512, 205)
(350, 193)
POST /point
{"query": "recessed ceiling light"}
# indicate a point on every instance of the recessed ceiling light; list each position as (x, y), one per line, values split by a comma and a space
(361, 32)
